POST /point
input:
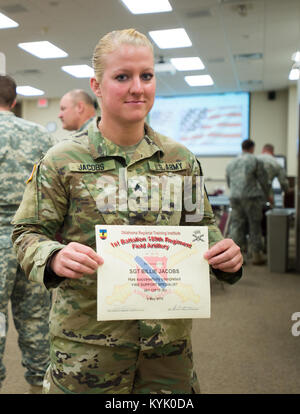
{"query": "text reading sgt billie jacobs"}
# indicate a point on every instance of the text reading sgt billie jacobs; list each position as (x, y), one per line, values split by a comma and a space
(152, 403)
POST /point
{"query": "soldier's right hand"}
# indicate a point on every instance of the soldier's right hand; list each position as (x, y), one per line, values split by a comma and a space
(75, 260)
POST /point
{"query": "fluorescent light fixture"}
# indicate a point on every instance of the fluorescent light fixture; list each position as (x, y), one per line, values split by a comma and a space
(43, 50)
(164, 68)
(146, 6)
(2, 64)
(296, 56)
(295, 72)
(6, 22)
(188, 63)
(171, 38)
(79, 71)
(199, 80)
(29, 91)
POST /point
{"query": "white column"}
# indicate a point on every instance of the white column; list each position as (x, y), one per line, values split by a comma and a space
(292, 131)
(2, 64)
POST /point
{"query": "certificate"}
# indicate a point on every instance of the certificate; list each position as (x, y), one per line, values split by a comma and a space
(152, 272)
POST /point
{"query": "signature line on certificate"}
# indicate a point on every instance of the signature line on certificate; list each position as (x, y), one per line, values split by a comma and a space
(151, 272)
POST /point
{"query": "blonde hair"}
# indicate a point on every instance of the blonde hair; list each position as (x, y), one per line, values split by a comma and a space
(111, 41)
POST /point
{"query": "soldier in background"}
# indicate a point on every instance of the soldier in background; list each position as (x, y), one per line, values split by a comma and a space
(22, 143)
(249, 187)
(273, 168)
(77, 110)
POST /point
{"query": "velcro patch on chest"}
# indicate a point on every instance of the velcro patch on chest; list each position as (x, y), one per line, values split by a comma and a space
(167, 166)
(92, 167)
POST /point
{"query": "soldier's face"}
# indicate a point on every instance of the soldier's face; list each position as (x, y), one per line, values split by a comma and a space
(68, 114)
(127, 87)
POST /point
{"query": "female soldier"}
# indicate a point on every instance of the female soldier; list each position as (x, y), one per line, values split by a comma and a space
(90, 356)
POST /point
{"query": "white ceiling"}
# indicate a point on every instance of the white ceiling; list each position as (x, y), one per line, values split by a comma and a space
(217, 29)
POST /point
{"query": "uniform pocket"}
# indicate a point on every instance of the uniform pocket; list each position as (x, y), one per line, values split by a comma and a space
(165, 197)
(95, 200)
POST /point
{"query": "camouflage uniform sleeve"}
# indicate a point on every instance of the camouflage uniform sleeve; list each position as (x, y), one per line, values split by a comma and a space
(45, 140)
(49, 141)
(262, 177)
(214, 233)
(282, 179)
(38, 219)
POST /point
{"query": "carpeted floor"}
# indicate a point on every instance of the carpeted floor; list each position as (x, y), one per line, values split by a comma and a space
(246, 347)
(14, 382)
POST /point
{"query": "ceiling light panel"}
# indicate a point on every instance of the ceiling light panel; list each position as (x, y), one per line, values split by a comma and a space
(188, 63)
(43, 50)
(171, 38)
(199, 80)
(6, 22)
(29, 91)
(146, 6)
(79, 71)
(296, 56)
(295, 72)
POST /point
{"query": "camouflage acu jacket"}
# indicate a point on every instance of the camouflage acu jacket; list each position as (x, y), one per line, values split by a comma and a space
(274, 169)
(64, 196)
(247, 178)
(22, 143)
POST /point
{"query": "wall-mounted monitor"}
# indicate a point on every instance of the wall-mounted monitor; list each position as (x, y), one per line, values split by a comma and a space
(209, 125)
(281, 159)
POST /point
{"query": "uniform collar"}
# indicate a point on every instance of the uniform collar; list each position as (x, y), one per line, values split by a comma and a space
(84, 126)
(6, 113)
(102, 147)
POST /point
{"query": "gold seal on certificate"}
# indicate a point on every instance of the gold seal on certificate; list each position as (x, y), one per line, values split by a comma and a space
(152, 272)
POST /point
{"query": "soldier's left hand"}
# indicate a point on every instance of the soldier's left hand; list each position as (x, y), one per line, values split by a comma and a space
(225, 255)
